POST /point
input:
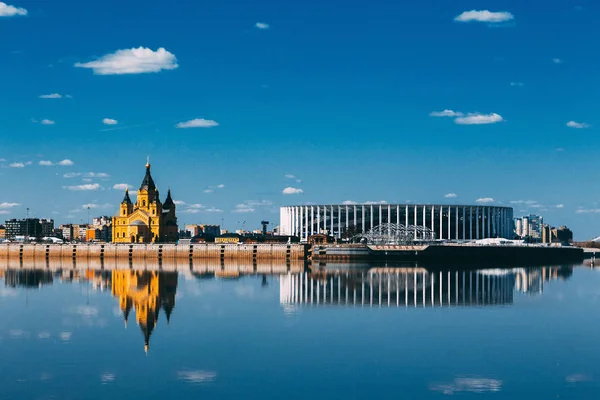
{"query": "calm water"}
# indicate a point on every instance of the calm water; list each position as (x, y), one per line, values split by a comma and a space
(527, 333)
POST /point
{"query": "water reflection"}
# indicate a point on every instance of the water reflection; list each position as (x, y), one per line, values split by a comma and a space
(415, 286)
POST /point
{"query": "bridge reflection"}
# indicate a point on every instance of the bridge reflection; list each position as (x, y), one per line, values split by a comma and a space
(415, 287)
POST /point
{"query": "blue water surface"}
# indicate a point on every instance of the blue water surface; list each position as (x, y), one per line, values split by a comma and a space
(522, 333)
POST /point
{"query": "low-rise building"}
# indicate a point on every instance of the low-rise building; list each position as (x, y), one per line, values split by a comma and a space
(2, 232)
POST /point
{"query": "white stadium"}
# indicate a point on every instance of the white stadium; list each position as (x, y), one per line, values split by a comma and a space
(423, 221)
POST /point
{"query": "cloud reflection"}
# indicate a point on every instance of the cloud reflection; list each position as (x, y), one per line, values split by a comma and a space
(107, 377)
(473, 385)
(65, 336)
(43, 335)
(199, 376)
(577, 378)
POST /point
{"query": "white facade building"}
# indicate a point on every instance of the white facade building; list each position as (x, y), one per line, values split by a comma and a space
(448, 222)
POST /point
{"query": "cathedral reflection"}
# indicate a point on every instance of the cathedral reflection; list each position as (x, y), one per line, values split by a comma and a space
(415, 287)
(147, 292)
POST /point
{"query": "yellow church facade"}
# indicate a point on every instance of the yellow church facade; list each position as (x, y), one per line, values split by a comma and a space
(148, 220)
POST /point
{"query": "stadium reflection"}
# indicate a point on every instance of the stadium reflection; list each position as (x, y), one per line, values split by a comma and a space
(416, 287)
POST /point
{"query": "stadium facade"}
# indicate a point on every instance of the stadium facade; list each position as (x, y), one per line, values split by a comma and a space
(448, 222)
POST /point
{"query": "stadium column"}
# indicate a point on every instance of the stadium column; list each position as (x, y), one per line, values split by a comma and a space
(355, 227)
(301, 222)
(406, 216)
(312, 220)
(449, 224)
(398, 214)
(489, 222)
(318, 220)
(347, 222)
(389, 219)
(494, 221)
(433, 219)
(331, 217)
(415, 212)
(477, 224)
(464, 227)
(362, 219)
(380, 215)
(441, 222)
(456, 223)
(424, 216)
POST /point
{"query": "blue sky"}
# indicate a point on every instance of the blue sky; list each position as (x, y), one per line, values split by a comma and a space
(339, 95)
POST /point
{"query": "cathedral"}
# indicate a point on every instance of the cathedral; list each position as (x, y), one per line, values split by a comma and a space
(148, 220)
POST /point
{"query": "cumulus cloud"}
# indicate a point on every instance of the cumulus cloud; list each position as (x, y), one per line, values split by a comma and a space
(8, 205)
(450, 195)
(484, 200)
(376, 202)
(291, 190)
(16, 165)
(46, 163)
(214, 210)
(479, 119)
(110, 121)
(102, 175)
(47, 122)
(527, 202)
(208, 190)
(66, 163)
(588, 211)
(560, 206)
(446, 113)
(132, 61)
(107, 377)
(349, 202)
(577, 125)
(11, 11)
(122, 186)
(243, 208)
(289, 176)
(220, 186)
(262, 25)
(178, 202)
(85, 187)
(71, 175)
(484, 16)
(198, 123)
(51, 96)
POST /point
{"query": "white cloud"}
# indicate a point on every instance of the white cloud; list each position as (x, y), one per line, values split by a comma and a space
(262, 25)
(516, 84)
(479, 119)
(191, 211)
(87, 186)
(4, 212)
(9, 205)
(213, 209)
(243, 208)
(484, 16)
(198, 123)
(47, 122)
(261, 203)
(376, 202)
(208, 190)
(178, 202)
(485, 200)
(110, 121)
(450, 195)
(446, 113)
(132, 61)
(106, 377)
(349, 202)
(528, 202)
(120, 186)
(289, 176)
(560, 206)
(65, 336)
(51, 96)
(588, 211)
(95, 206)
(291, 190)
(71, 175)
(557, 61)
(17, 165)
(66, 163)
(577, 125)
(45, 163)
(103, 175)
(196, 206)
(10, 11)
(220, 186)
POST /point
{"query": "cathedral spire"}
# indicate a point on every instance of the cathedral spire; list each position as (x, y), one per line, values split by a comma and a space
(126, 199)
(148, 182)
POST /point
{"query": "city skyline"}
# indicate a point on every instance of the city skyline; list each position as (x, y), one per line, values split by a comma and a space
(243, 109)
